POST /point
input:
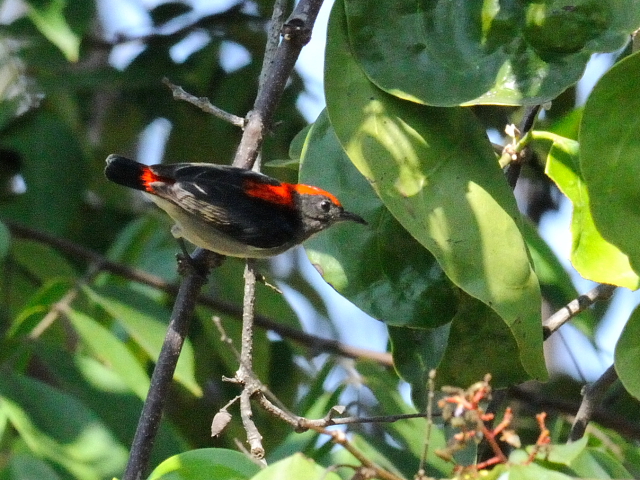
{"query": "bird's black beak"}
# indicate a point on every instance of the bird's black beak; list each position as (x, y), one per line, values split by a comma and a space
(352, 217)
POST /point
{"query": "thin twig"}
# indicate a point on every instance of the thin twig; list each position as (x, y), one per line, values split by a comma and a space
(315, 343)
(337, 436)
(203, 104)
(245, 375)
(149, 421)
(593, 395)
(427, 436)
(515, 167)
(573, 308)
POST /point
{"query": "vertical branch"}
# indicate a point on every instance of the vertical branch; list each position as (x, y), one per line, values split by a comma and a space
(296, 33)
(149, 421)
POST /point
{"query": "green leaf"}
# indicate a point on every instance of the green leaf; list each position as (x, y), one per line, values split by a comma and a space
(446, 53)
(48, 17)
(212, 463)
(435, 171)
(609, 152)
(40, 303)
(594, 463)
(143, 320)
(5, 240)
(41, 261)
(534, 471)
(562, 454)
(296, 466)
(24, 466)
(477, 328)
(415, 353)
(627, 355)
(111, 351)
(381, 268)
(53, 169)
(61, 429)
(591, 255)
(407, 436)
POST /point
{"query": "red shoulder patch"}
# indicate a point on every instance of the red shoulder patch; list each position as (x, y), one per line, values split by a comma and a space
(278, 194)
(283, 194)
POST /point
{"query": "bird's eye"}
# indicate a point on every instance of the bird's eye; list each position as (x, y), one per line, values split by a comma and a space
(325, 206)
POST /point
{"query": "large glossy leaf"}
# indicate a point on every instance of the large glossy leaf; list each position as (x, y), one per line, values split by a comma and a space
(436, 173)
(627, 355)
(591, 255)
(447, 53)
(215, 463)
(146, 322)
(453, 351)
(381, 267)
(61, 429)
(609, 153)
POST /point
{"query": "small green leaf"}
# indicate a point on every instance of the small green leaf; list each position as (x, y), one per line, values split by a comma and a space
(214, 463)
(562, 454)
(533, 471)
(61, 429)
(112, 351)
(5, 240)
(146, 322)
(296, 466)
(435, 171)
(24, 466)
(627, 355)
(591, 255)
(49, 18)
(609, 152)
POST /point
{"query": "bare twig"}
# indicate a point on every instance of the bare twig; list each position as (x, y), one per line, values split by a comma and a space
(427, 436)
(593, 395)
(245, 375)
(573, 308)
(203, 104)
(520, 158)
(337, 436)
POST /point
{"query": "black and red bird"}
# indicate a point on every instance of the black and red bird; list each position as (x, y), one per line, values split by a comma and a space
(229, 210)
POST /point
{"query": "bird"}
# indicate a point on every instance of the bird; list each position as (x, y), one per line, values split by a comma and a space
(229, 210)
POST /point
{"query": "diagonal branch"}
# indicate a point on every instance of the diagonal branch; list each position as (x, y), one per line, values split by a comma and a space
(183, 308)
(99, 262)
(573, 308)
(593, 395)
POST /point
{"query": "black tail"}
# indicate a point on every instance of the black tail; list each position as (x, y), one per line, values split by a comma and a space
(125, 172)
